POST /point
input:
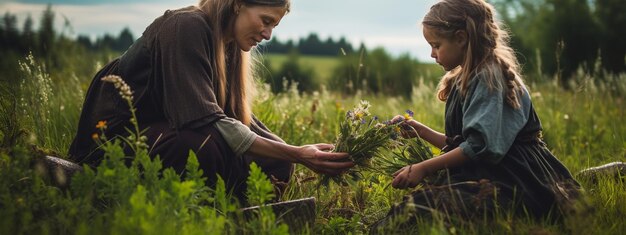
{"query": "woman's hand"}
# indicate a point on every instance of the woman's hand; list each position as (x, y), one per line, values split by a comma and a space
(408, 176)
(314, 156)
(317, 159)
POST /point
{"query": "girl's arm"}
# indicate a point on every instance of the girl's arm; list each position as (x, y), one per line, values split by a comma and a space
(433, 137)
(313, 157)
(410, 176)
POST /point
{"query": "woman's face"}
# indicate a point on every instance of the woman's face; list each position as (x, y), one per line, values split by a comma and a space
(255, 23)
(449, 53)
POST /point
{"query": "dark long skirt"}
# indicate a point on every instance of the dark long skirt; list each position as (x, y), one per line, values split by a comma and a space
(214, 156)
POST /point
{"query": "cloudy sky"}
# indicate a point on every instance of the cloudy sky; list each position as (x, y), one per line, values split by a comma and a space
(391, 24)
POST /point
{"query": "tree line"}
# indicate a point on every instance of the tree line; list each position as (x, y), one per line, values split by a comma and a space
(53, 47)
(559, 37)
(41, 41)
(309, 45)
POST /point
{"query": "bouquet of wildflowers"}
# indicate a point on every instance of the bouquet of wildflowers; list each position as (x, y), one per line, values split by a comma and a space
(405, 152)
(363, 137)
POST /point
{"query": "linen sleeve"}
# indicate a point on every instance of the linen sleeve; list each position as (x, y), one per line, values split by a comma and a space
(237, 135)
(183, 65)
(490, 125)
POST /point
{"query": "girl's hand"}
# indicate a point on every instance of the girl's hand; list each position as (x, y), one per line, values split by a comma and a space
(397, 118)
(408, 177)
(408, 127)
(316, 158)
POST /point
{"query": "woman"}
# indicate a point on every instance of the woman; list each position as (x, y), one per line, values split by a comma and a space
(190, 76)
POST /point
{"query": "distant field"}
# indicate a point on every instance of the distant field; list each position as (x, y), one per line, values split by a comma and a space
(430, 71)
(323, 66)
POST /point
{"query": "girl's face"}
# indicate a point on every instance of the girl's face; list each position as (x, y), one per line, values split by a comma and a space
(447, 52)
(255, 23)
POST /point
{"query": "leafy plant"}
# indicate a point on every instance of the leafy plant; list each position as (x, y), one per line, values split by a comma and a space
(363, 138)
(261, 191)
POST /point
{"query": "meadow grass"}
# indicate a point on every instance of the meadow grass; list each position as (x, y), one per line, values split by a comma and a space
(322, 65)
(582, 126)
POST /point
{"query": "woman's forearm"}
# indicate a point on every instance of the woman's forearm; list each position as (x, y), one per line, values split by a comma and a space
(315, 157)
(265, 147)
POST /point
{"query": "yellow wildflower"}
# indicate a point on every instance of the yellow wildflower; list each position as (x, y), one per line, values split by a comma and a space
(407, 117)
(359, 115)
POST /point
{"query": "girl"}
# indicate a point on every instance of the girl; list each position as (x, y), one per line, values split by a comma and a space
(493, 152)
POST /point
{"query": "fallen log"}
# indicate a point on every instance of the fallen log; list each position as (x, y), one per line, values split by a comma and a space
(59, 170)
(615, 170)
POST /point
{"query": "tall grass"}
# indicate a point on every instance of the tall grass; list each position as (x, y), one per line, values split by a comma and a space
(49, 107)
(582, 126)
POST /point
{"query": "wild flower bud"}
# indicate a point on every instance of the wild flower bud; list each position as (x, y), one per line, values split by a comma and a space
(120, 85)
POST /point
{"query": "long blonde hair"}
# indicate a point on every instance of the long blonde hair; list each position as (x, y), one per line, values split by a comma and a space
(487, 47)
(233, 85)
